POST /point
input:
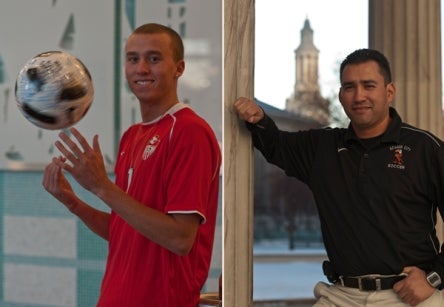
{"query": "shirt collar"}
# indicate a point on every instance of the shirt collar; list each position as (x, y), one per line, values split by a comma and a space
(176, 107)
(391, 135)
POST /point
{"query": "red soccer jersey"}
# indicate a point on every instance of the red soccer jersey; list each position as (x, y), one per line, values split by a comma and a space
(171, 165)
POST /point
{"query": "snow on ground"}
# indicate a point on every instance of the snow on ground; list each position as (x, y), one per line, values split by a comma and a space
(291, 274)
(285, 280)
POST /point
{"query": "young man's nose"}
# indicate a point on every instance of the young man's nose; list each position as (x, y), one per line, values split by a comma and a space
(143, 66)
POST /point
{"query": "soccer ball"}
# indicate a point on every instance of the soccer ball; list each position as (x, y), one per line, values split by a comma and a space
(54, 90)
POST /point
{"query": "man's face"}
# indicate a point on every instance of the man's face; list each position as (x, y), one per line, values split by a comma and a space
(150, 68)
(365, 98)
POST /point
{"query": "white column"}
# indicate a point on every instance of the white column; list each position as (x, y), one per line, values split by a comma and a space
(408, 32)
(238, 156)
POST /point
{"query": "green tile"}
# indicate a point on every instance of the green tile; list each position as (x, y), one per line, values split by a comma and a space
(89, 245)
(88, 287)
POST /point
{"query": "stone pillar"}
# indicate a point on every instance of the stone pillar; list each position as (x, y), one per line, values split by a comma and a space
(238, 156)
(408, 32)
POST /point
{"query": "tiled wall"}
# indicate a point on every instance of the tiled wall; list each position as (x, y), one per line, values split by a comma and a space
(49, 258)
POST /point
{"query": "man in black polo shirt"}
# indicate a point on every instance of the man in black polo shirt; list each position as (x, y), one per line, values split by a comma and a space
(377, 185)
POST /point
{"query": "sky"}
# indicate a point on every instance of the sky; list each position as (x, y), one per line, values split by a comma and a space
(339, 26)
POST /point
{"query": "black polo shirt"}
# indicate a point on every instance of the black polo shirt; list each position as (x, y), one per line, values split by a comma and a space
(377, 199)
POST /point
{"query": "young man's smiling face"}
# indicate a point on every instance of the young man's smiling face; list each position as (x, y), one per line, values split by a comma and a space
(150, 68)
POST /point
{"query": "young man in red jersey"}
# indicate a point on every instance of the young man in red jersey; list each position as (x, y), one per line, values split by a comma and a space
(164, 199)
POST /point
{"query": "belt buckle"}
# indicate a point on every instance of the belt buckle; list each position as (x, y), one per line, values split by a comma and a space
(377, 282)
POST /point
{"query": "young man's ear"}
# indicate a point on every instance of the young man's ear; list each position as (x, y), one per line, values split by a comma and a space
(180, 69)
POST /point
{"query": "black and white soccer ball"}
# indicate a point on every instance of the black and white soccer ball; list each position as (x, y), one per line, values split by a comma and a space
(54, 90)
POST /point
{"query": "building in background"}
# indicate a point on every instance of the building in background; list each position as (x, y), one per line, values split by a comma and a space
(284, 206)
(306, 100)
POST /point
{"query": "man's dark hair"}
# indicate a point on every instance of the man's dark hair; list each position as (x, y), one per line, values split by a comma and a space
(176, 40)
(364, 55)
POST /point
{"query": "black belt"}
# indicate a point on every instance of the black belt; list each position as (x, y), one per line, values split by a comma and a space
(370, 282)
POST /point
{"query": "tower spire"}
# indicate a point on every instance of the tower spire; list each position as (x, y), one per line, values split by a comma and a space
(306, 99)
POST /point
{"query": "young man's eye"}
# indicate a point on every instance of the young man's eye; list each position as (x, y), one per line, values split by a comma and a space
(131, 59)
(154, 59)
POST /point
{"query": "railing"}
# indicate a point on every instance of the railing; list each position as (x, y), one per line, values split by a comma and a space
(285, 303)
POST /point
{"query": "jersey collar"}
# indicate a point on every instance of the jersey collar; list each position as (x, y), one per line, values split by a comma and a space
(391, 135)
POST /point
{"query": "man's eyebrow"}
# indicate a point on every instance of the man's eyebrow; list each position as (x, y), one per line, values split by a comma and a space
(150, 52)
(130, 53)
(348, 83)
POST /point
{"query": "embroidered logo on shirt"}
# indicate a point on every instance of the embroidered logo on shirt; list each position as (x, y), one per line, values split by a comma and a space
(151, 147)
(398, 156)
